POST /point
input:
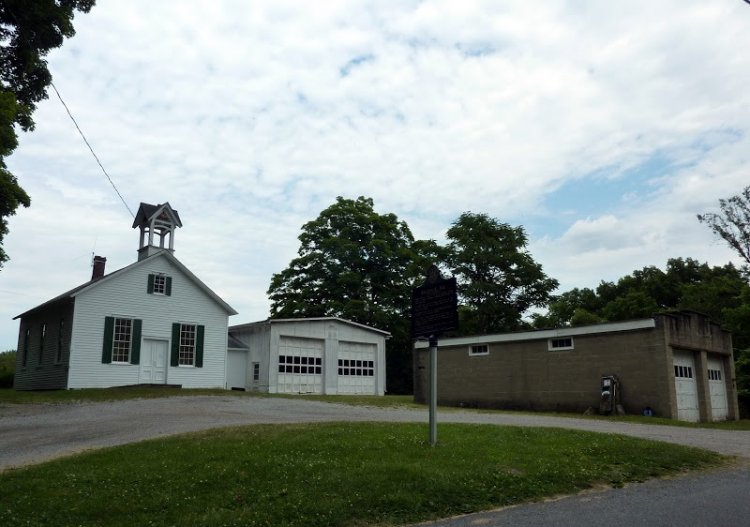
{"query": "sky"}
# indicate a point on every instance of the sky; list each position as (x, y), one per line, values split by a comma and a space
(602, 128)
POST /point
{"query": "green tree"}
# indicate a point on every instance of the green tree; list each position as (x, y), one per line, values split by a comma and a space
(360, 265)
(576, 304)
(28, 30)
(732, 224)
(498, 280)
(7, 368)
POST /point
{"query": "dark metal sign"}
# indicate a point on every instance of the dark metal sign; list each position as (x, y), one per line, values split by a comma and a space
(434, 305)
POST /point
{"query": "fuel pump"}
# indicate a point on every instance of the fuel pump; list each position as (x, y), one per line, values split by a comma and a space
(610, 389)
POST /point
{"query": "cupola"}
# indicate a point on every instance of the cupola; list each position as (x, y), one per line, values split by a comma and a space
(157, 224)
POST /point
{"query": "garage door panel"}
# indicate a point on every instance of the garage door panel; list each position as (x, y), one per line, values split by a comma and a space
(718, 389)
(686, 388)
(357, 368)
(300, 367)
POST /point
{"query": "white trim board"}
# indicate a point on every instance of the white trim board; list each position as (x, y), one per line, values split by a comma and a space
(544, 334)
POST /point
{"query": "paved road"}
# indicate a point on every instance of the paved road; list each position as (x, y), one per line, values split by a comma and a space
(718, 498)
(35, 433)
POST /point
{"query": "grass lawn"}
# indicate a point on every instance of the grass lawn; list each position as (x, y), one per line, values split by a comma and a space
(10, 396)
(328, 475)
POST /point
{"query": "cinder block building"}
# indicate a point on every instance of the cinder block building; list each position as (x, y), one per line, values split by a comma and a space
(679, 365)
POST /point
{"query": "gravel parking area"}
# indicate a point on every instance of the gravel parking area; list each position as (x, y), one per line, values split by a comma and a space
(35, 433)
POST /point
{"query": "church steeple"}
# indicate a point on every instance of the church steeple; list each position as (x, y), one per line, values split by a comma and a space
(157, 224)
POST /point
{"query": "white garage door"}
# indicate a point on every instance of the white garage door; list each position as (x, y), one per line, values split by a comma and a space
(357, 367)
(718, 388)
(236, 369)
(300, 365)
(686, 387)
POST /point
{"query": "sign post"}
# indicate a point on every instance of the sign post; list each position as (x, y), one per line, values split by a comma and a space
(434, 309)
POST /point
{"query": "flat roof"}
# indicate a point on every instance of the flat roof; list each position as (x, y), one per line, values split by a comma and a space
(542, 334)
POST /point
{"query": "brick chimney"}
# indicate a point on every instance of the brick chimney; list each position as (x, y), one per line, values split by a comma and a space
(99, 263)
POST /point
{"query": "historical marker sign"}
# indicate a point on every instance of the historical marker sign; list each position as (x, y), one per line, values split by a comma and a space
(434, 305)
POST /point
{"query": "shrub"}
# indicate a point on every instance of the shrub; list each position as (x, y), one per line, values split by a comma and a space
(7, 368)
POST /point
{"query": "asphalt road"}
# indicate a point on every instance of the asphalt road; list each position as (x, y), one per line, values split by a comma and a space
(718, 498)
(35, 433)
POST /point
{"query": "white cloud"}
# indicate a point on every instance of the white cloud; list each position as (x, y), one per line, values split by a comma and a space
(239, 114)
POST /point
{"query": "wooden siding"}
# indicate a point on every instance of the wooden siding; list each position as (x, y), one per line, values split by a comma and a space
(50, 373)
(264, 339)
(257, 339)
(331, 332)
(125, 295)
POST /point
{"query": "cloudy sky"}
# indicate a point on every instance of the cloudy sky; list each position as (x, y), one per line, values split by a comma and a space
(601, 127)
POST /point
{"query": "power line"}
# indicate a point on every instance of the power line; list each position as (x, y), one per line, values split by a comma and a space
(91, 149)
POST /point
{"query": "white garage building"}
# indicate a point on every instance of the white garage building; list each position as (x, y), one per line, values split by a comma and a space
(307, 355)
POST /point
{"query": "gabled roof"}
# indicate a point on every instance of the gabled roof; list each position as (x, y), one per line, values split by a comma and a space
(311, 319)
(95, 283)
(146, 211)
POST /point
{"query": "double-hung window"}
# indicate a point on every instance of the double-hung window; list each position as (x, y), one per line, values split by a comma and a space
(187, 344)
(42, 337)
(60, 341)
(122, 340)
(25, 355)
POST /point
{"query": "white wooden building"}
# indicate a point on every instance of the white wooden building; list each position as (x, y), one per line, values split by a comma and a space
(325, 355)
(152, 322)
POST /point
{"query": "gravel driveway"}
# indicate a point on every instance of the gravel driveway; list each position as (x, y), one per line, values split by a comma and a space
(35, 433)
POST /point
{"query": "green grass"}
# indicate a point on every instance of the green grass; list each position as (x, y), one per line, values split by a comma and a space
(10, 396)
(328, 475)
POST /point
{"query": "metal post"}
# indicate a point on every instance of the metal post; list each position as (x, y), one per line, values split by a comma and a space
(433, 389)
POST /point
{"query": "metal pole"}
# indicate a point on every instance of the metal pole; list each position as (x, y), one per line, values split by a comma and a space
(433, 389)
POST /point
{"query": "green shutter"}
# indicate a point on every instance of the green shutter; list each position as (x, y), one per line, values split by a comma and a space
(200, 330)
(150, 288)
(135, 349)
(109, 330)
(174, 359)
(169, 286)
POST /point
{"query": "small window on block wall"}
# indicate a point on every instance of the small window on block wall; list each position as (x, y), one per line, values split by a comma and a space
(479, 349)
(560, 344)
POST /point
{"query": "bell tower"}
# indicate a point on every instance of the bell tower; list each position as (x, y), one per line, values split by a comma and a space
(157, 224)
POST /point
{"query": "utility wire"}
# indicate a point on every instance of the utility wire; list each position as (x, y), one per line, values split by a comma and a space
(91, 149)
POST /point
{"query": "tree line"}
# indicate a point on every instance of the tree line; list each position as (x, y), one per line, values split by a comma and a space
(358, 264)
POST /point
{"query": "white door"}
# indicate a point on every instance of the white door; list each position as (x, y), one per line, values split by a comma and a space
(686, 387)
(717, 386)
(356, 368)
(300, 365)
(154, 354)
(236, 369)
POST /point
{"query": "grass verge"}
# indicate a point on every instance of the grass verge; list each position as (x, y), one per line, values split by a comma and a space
(10, 396)
(328, 475)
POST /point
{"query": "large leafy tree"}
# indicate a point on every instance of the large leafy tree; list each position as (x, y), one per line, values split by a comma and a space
(360, 265)
(732, 224)
(28, 30)
(498, 280)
